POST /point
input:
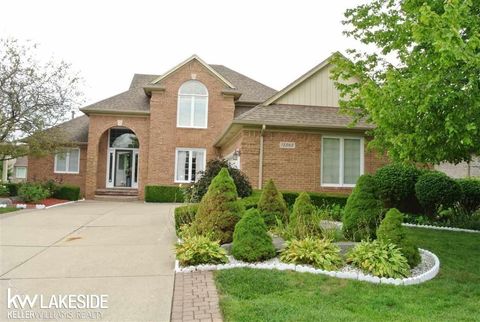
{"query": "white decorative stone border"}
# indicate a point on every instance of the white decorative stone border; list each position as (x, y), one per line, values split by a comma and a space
(442, 228)
(42, 206)
(428, 275)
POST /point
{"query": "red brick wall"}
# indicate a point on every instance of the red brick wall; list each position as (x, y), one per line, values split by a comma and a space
(292, 169)
(42, 169)
(165, 136)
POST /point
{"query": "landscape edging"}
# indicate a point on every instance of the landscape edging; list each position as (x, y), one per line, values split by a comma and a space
(441, 228)
(428, 275)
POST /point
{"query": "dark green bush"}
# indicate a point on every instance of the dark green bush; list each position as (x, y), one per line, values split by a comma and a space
(199, 188)
(13, 188)
(271, 205)
(471, 194)
(185, 215)
(219, 209)
(51, 186)
(304, 221)
(252, 200)
(363, 210)
(163, 194)
(67, 192)
(434, 189)
(396, 185)
(32, 192)
(391, 230)
(251, 241)
(317, 199)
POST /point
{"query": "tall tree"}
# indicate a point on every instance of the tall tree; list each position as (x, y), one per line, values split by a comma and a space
(34, 96)
(421, 88)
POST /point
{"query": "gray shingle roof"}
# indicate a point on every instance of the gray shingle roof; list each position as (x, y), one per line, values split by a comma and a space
(252, 91)
(76, 129)
(299, 115)
(134, 99)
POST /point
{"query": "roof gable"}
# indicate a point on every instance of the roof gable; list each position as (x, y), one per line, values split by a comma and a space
(314, 88)
(194, 57)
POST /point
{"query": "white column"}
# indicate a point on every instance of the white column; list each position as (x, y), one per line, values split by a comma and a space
(5, 171)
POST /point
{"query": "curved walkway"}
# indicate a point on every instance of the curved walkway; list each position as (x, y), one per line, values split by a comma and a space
(122, 250)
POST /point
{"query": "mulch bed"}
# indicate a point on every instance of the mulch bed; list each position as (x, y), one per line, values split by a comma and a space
(47, 202)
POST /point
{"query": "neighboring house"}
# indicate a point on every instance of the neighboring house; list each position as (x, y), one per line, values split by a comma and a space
(20, 169)
(163, 129)
(461, 170)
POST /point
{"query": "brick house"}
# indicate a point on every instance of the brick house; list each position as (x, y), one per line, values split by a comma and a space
(163, 129)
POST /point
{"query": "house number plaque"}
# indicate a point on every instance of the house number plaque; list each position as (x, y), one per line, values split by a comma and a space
(287, 145)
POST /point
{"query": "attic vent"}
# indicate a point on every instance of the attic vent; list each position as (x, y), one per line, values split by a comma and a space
(194, 76)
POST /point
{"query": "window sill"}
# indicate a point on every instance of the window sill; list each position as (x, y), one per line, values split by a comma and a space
(192, 127)
(337, 185)
(66, 172)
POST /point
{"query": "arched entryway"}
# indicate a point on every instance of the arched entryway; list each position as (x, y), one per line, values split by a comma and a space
(122, 167)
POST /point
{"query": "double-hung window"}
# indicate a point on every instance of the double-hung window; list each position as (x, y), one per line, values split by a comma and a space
(67, 161)
(342, 161)
(188, 162)
(20, 172)
(192, 110)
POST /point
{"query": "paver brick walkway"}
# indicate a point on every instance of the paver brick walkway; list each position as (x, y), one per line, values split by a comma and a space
(195, 298)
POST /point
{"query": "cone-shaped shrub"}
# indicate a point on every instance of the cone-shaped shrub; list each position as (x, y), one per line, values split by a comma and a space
(272, 205)
(219, 209)
(251, 241)
(391, 230)
(363, 210)
(303, 221)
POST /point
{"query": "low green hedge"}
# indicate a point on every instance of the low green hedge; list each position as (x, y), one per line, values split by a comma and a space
(318, 199)
(67, 192)
(163, 194)
(185, 215)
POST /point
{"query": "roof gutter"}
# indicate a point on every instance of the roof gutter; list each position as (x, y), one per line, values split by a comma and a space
(260, 158)
(116, 112)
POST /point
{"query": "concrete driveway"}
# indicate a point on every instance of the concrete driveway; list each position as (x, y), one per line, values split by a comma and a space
(122, 250)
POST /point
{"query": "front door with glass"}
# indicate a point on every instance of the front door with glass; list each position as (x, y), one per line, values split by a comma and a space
(122, 159)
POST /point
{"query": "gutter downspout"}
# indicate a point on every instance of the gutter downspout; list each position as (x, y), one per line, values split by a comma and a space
(260, 161)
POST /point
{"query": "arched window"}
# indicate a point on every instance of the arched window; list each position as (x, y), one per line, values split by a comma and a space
(192, 105)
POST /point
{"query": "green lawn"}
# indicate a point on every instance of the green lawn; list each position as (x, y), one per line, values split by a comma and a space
(454, 295)
(8, 209)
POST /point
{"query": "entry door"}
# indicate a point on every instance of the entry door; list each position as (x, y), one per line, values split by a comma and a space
(123, 168)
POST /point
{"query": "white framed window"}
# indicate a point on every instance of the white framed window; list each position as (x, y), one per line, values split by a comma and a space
(342, 161)
(21, 172)
(67, 161)
(188, 162)
(192, 109)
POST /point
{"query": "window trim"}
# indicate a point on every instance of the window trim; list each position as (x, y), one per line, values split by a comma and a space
(341, 163)
(67, 162)
(192, 107)
(21, 167)
(189, 162)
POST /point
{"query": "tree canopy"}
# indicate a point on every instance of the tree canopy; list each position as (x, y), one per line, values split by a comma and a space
(34, 96)
(421, 88)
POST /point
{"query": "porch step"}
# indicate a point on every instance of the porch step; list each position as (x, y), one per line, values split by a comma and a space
(115, 198)
(117, 192)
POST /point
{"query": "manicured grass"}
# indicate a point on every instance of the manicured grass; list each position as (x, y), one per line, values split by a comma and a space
(454, 295)
(8, 209)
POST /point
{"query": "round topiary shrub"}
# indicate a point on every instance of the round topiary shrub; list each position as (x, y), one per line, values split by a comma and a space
(396, 184)
(251, 241)
(391, 230)
(363, 210)
(434, 189)
(471, 194)
(304, 221)
(220, 209)
(271, 205)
